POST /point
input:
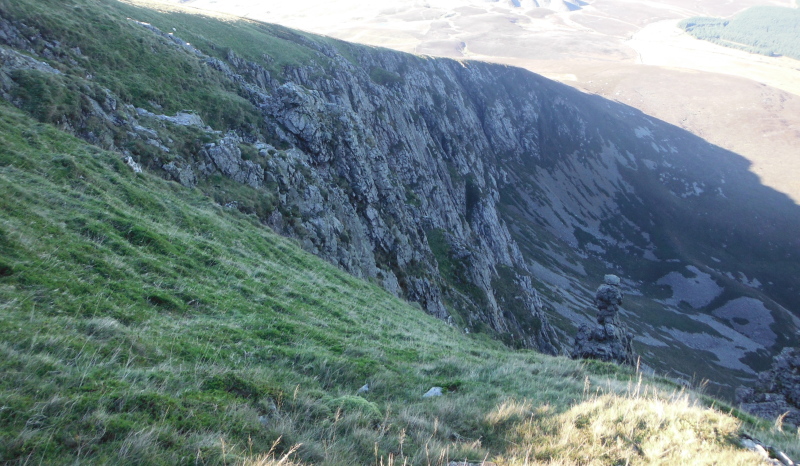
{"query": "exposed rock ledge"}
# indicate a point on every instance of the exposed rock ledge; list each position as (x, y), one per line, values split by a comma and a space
(777, 391)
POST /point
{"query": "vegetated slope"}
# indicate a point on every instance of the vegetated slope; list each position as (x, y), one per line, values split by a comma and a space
(142, 323)
(768, 30)
(465, 187)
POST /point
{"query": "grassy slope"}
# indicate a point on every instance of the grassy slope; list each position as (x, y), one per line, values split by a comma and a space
(143, 69)
(141, 323)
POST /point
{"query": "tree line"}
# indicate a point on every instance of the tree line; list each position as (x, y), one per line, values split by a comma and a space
(767, 30)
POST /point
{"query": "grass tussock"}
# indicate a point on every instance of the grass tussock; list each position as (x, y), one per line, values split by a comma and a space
(141, 323)
(614, 429)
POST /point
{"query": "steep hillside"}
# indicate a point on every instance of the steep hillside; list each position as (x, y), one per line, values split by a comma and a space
(142, 323)
(491, 196)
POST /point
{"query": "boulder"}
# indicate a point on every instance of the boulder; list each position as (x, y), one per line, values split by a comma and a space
(226, 156)
(434, 391)
(609, 343)
(608, 299)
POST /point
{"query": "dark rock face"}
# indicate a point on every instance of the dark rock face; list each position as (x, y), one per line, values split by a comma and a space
(777, 391)
(227, 158)
(609, 341)
(607, 300)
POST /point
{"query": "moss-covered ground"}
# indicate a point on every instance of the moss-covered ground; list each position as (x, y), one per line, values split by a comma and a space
(142, 323)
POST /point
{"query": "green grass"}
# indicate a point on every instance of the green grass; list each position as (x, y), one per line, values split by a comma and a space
(139, 67)
(142, 323)
(384, 77)
(269, 45)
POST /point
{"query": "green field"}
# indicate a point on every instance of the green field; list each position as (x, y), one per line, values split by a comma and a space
(767, 30)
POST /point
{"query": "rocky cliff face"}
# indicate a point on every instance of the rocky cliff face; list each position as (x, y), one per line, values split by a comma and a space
(485, 193)
(403, 164)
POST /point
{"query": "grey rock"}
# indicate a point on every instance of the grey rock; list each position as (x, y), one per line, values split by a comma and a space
(609, 340)
(428, 295)
(611, 280)
(747, 443)
(782, 457)
(11, 60)
(761, 451)
(227, 158)
(364, 389)
(608, 299)
(157, 143)
(142, 131)
(389, 282)
(768, 454)
(11, 35)
(434, 391)
(182, 119)
(607, 343)
(776, 393)
(182, 174)
(132, 163)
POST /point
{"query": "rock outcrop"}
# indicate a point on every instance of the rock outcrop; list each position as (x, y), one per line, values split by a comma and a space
(609, 340)
(776, 394)
(608, 299)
